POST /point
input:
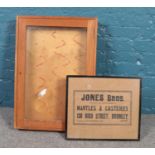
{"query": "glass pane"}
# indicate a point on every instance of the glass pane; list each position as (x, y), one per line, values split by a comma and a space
(51, 54)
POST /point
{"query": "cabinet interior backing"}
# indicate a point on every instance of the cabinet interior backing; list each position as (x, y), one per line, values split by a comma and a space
(51, 54)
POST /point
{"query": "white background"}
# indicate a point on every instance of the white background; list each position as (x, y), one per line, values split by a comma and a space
(77, 3)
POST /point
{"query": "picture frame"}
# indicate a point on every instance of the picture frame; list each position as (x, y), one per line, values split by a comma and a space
(103, 107)
(47, 49)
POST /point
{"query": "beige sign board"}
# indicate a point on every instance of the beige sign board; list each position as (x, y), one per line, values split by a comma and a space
(103, 108)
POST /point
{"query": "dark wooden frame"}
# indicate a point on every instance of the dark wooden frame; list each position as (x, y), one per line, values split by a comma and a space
(140, 104)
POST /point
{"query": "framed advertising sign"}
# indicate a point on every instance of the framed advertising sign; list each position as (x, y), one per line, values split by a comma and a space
(48, 49)
(103, 108)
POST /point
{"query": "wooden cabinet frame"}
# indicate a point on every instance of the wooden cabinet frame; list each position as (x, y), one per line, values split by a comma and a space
(90, 24)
